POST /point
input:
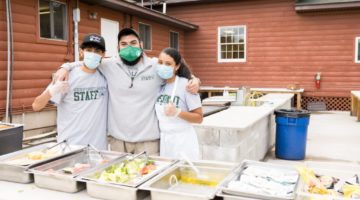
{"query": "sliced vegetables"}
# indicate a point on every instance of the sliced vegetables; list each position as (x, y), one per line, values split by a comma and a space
(127, 170)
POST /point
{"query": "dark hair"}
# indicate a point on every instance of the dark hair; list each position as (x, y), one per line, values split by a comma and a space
(184, 70)
(126, 32)
(91, 45)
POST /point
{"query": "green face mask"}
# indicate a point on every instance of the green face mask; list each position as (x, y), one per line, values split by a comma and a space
(130, 53)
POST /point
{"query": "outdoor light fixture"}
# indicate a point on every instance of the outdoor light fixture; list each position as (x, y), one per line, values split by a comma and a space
(93, 15)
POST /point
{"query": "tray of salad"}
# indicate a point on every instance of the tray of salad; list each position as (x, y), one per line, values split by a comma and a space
(121, 178)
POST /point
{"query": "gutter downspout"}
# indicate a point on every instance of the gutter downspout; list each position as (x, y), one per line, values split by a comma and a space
(76, 19)
(164, 7)
(10, 58)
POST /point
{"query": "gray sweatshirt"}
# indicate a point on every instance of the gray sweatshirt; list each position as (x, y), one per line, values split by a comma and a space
(131, 111)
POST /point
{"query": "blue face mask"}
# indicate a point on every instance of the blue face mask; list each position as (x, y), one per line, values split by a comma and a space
(91, 60)
(164, 71)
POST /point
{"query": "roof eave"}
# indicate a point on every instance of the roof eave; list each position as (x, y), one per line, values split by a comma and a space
(143, 12)
(187, 2)
(328, 6)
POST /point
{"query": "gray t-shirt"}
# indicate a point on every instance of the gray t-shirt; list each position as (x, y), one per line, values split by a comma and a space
(131, 115)
(182, 98)
(82, 111)
(131, 107)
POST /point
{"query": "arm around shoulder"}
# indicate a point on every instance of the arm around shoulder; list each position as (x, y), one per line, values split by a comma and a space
(193, 85)
(71, 65)
(62, 74)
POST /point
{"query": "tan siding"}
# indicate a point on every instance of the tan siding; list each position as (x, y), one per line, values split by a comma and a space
(283, 46)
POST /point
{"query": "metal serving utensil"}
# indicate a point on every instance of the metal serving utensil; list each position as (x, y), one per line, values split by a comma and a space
(55, 145)
(90, 146)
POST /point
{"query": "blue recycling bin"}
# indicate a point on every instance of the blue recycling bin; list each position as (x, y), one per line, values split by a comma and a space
(291, 133)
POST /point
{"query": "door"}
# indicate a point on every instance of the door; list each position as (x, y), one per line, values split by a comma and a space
(110, 30)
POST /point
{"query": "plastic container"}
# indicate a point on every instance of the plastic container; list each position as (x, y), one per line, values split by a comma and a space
(291, 133)
(11, 138)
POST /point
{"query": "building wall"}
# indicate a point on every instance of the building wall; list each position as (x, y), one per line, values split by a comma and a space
(160, 33)
(283, 46)
(36, 59)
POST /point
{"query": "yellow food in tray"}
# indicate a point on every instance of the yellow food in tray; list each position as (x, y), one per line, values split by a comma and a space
(331, 187)
(351, 191)
(32, 157)
(313, 184)
(3, 126)
(188, 176)
(199, 181)
(39, 155)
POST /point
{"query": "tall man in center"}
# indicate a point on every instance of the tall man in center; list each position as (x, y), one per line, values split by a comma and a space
(133, 87)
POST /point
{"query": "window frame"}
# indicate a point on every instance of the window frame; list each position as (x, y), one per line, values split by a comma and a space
(228, 60)
(43, 40)
(357, 50)
(178, 39)
(151, 46)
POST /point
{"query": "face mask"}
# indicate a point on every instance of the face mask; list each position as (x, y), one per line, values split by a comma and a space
(130, 55)
(91, 60)
(164, 71)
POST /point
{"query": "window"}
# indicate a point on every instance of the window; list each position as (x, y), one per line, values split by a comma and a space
(145, 35)
(174, 40)
(232, 44)
(53, 20)
(357, 50)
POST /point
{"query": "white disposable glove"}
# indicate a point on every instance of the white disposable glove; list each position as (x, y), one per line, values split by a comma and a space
(193, 85)
(62, 74)
(59, 87)
(171, 110)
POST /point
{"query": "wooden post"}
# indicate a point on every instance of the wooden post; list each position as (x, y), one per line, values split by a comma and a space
(353, 111)
(298, 103)
(357, 100)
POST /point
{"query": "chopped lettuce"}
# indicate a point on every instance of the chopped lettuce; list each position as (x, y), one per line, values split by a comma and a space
(125, 171)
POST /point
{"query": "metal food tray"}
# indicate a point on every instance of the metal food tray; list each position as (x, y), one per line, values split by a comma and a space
(213, 163)
(231, 194)
(10, 171)
(56, 179)
(341, 171)
(162, 187)
(113, 190)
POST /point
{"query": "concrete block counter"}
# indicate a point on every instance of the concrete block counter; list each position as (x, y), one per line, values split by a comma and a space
(241, 132)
